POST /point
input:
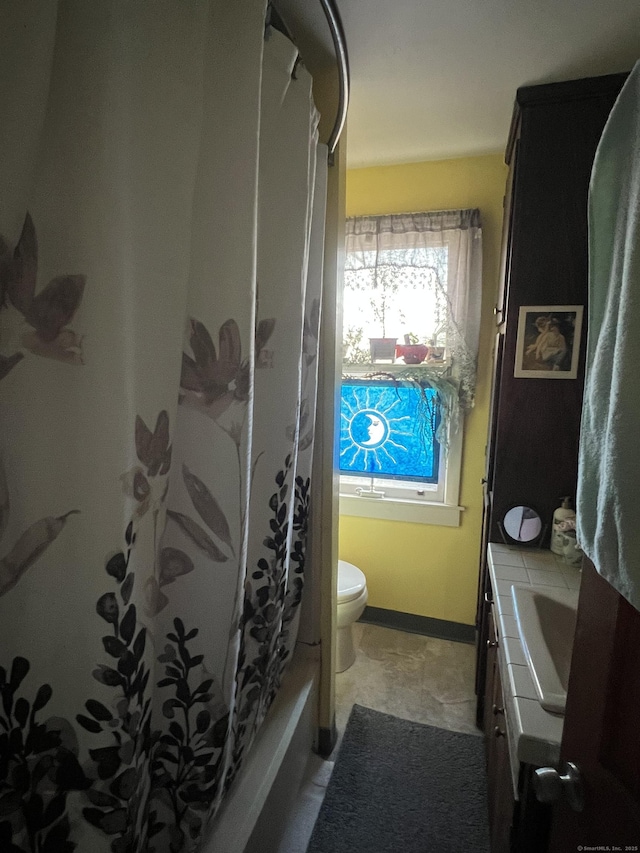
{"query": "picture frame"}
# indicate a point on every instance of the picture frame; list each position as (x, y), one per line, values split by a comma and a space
(548, 341)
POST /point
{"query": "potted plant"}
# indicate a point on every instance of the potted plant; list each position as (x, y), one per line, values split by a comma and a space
(436, 349)
(384, 348)
(412, 351)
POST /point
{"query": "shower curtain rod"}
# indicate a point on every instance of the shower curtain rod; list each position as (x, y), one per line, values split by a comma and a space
(340, 44)
(334, 20)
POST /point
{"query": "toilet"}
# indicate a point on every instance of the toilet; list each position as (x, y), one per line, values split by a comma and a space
(352, 599)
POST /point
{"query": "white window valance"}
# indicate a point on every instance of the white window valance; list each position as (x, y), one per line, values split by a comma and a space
(389, 248)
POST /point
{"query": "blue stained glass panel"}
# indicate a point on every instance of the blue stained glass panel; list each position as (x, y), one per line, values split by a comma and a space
(387, 429)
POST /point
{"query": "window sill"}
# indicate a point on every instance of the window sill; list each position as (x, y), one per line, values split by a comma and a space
(397, 509)
(425, 369)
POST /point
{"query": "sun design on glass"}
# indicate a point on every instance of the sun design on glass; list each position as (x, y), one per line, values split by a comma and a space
(370, 431)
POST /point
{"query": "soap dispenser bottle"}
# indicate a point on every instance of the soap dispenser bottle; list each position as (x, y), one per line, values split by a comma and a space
(563, 513)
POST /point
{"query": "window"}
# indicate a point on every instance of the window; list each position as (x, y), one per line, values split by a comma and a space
(411, 321)
(388, 429)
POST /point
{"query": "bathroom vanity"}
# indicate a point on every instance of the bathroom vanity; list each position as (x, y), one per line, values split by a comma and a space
(530, 613)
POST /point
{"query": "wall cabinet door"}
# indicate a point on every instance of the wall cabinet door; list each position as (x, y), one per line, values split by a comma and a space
(507, 231)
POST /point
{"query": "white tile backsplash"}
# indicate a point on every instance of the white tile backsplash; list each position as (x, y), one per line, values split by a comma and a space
(505, 604)
(521, 682)
(508, 626)
(535, 559)
(542, 578)
(513, 651)
(508, 558)
(541, 732)
(534, 733)
(511, 573)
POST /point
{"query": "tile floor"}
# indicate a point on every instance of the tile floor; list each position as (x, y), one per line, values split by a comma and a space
(418, 678)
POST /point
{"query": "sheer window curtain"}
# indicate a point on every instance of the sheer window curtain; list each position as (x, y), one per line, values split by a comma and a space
(384, 250)
(160, 197)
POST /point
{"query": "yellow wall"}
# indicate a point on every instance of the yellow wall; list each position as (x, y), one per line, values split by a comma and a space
(419, 568)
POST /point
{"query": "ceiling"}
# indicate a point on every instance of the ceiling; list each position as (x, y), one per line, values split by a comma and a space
(435, 79)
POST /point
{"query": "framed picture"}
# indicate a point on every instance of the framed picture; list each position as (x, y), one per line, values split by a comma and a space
(548, 343)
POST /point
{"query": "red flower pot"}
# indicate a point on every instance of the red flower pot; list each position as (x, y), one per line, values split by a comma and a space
(412, 353)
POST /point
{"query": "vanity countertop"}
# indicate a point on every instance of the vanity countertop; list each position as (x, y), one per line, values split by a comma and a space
(534, 734)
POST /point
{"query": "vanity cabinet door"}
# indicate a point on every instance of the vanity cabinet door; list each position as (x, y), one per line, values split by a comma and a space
(500, 791)
(501, 799)
(491, 674)
(483, 613)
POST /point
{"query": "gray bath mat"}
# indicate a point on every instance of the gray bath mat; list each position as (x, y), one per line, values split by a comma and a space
(403, 787)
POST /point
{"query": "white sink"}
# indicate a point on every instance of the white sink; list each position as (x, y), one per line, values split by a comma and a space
(547, 622)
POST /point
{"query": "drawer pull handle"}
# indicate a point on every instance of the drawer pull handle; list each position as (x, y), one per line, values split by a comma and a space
(498, 732)
(492, 644)
(497, 710)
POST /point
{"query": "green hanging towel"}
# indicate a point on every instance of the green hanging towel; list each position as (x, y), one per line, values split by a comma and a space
(609, 466)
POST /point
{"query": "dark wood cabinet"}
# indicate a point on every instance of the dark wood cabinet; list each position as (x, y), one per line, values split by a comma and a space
(518, 823)
(533, 452)
(491, 674)
(502, 803)
(532, 448)
(484, 587)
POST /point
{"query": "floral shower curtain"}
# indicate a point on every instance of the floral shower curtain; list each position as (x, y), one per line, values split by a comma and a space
(160, 197)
